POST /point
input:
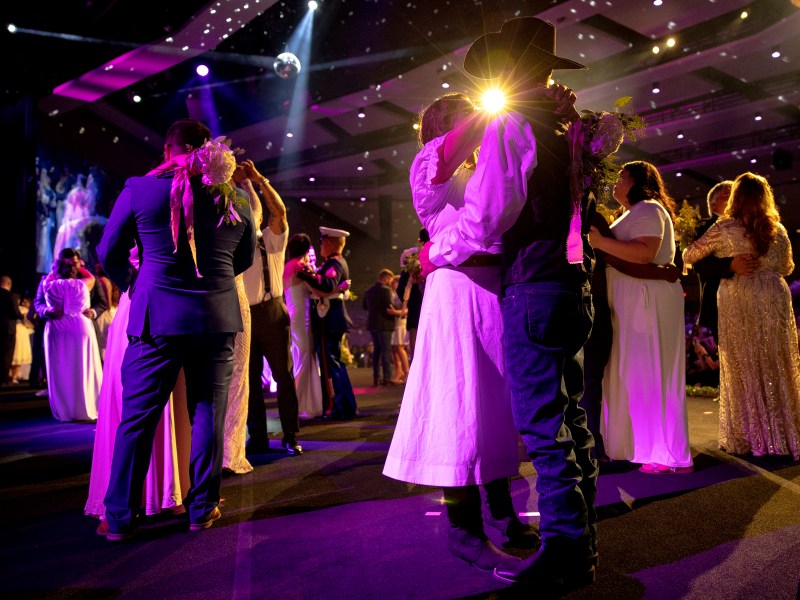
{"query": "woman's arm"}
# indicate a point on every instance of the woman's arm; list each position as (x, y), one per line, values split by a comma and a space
(460, 143)
(640, 250)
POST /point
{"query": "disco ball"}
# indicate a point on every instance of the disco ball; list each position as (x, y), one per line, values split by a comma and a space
(286, 65)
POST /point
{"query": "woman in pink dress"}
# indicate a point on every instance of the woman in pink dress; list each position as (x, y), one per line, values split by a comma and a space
(168, 475)
(455, 427)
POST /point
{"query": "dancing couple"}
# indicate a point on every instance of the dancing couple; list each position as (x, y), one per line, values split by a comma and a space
(517, 314)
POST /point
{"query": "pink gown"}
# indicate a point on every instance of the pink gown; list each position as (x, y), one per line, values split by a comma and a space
(168, 475)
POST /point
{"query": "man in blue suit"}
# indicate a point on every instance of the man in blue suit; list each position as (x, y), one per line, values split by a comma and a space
(183, 316)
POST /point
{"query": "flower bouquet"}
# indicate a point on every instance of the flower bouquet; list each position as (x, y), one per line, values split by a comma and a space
(409, 261)
(593, 139)
(216, 161)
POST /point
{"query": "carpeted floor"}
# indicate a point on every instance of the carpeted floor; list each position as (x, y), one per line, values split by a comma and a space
(328, 525)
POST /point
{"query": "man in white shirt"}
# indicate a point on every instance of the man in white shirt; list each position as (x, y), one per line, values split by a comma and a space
(520, 196)
(270, 338)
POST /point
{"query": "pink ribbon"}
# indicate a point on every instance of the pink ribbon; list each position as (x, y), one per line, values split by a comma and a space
(181, 200)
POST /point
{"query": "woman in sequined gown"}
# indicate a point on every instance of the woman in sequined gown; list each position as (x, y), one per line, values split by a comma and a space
(233, 457)
(759, 407)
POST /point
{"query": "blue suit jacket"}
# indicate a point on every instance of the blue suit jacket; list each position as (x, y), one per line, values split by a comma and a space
(167, 296)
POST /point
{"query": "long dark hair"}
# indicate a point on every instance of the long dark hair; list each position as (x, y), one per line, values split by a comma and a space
(648, 185)
(65, 268)
(298, 245)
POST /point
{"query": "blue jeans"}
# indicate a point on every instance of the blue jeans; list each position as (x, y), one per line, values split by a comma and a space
(381, 354)
(545, 327)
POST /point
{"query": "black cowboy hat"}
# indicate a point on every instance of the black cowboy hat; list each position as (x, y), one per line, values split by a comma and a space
(534, 39)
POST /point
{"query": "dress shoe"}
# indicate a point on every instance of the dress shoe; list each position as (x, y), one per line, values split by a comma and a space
(207, 521)
(477, 550)
(559, 563)
(517, 533)
(123, 534)
(291, 446)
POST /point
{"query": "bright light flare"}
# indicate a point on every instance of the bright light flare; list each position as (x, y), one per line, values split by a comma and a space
(202, 70)
(12, 28)
(313, 5)
(493, 101)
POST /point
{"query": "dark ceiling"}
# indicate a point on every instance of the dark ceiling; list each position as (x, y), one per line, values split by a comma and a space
(390, 58)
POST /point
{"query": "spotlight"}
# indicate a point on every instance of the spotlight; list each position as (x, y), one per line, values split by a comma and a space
(493, 100)
(136, 98)
(744, 15)
(671, 42)
(753, 160)
(290, 134)
(312, 179)
(656, 88)
(361, 113)
(445, 85)
(758, 116)
(415, 126)
(12, 28)
(202, 70)
(680, 135)
(313, 5)
(360, 167)
(656, 49)
(776, 53)
(658, 2)
(678, 174)
(363, 198)
(303, 199)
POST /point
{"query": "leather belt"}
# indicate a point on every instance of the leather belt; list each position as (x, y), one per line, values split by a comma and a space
(483, 260)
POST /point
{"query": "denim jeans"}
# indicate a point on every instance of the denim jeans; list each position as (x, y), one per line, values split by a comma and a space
(545, 327)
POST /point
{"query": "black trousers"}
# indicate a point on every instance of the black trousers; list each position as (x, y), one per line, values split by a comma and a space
(149, 372)
(270, 338)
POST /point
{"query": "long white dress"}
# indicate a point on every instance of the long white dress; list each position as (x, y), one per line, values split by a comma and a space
(455, 426)
(304, 358)
(168, 474)
(74, 370)
(644, 386)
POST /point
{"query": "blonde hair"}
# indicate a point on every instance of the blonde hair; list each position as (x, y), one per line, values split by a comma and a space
(752, 203)
(438, 118)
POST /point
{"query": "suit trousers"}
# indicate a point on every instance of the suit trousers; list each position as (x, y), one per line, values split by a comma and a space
(545, 326)
(381, 354)
(150, 369)
(270, 338)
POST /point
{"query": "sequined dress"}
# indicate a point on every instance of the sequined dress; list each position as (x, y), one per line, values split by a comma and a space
(759, 407)
(233, 457)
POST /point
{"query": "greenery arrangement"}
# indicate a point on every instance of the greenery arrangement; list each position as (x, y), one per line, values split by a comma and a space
(686, 223)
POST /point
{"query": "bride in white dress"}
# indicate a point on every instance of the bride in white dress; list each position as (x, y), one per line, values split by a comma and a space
(304, 358)
(74, 370)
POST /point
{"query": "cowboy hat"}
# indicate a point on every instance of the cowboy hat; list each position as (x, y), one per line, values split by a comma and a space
(497, 52)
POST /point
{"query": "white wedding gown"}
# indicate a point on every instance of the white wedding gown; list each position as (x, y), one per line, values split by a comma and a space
(304, 358)
(74, 370)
